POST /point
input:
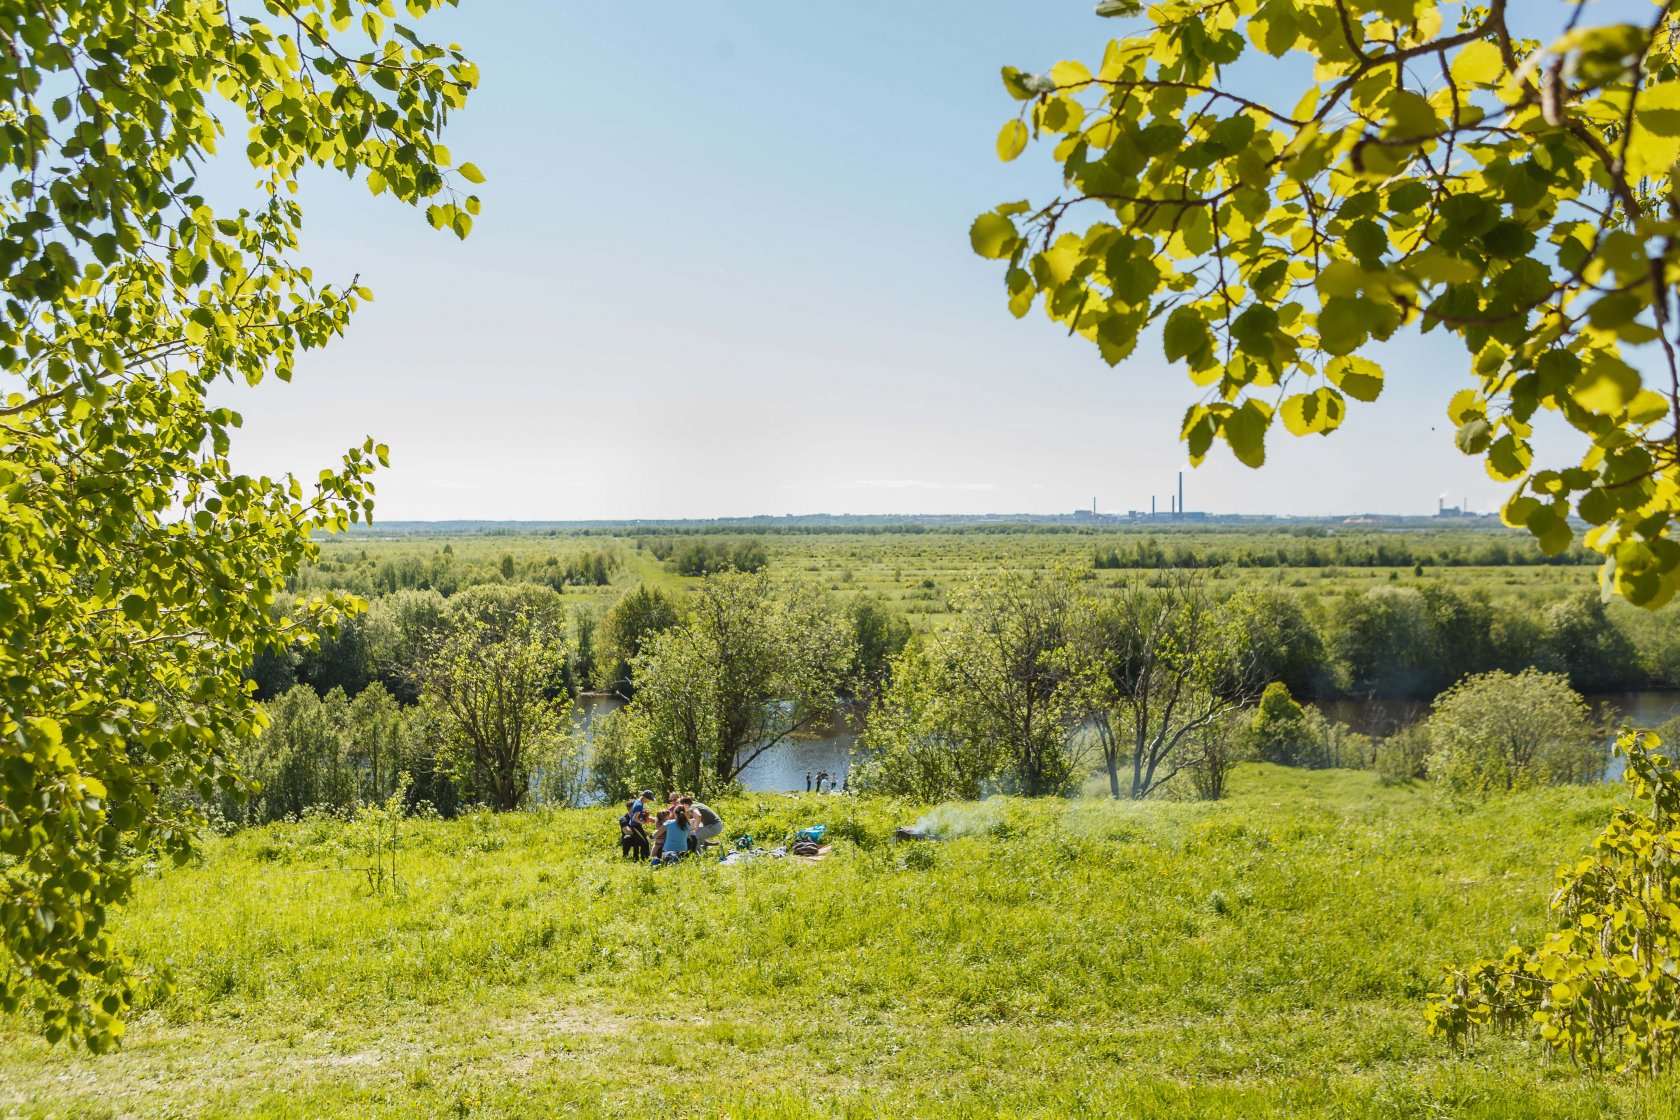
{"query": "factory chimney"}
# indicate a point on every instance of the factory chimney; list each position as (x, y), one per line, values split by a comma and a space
(1152, 505)
(1181, 493)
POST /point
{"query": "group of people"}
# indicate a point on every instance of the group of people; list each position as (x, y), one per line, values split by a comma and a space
(681, 828)
(827, 783)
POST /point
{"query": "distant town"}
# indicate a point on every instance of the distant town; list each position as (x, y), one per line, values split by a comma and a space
(1093, 517)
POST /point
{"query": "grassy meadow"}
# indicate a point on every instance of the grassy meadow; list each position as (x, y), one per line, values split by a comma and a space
(913, 571)
(1268, 955)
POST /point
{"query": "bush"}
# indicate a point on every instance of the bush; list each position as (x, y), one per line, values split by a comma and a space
(1404, 755)
(1606, 982)
(1498, 732)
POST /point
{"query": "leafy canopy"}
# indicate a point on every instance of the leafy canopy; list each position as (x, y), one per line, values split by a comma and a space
(1437, 172)
(138, 569)
(752, 663)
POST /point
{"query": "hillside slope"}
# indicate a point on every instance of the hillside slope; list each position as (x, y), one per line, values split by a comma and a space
(1268, 955)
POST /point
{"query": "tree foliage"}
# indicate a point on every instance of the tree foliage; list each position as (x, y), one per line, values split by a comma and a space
(1498, 731)
(925, 740)
(139, 568)
(1605, 984)
(994, 691)
(496, 686)
(324, 752)
(625, 627)
(1162, 670)
(753, 663)
(1437, 172)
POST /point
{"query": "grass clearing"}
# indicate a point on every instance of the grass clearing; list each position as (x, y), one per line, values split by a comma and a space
(1267, 955)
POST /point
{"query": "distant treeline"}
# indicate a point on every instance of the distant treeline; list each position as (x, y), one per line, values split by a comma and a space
(442, 572)
(1334, 552)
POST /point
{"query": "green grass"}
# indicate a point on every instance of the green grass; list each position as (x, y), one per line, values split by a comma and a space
(1265, 956)
(914, 572)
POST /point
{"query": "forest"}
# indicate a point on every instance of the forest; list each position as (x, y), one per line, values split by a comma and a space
(847, 628)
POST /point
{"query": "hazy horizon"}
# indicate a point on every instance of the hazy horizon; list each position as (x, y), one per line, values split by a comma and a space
(723, 265)
(1164, 516)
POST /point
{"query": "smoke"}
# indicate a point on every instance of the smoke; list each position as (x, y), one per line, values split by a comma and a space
(966, 819)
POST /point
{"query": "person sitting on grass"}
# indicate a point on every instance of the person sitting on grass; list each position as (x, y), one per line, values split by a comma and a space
(677, 830)
(706, 825)
(633, 839)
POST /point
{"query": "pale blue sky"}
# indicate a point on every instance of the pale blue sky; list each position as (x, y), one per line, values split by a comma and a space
(723, 269)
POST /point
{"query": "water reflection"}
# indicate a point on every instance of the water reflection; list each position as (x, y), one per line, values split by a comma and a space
(1373, 716)
(782, 768)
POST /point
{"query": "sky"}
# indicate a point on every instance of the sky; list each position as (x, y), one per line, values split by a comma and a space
(723, 269)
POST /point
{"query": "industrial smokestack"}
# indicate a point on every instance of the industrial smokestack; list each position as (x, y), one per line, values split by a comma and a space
(1181, 493)
(1152, 505)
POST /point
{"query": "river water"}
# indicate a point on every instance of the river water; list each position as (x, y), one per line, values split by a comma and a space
(1372, 716)
(779, 769)
(783, 768)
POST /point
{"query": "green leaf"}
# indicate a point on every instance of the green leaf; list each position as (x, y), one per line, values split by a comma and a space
(1245, 432)
(1320, 411)
(1465, 404)
(1344, 324)
(1508, 458)
(993, 236)
(1606, 385)
(1012, 141)
(1474, 435)
(1478, 63)
(1367, 241)
(1186, 336)
(1359, 378)
(470, 173)
(1015, 82)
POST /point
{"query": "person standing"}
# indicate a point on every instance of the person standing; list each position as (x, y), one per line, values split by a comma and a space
(633, 837)
(807, 781)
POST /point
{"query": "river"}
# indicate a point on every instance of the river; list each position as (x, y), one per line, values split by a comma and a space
(783, 768)
(780, 769)
(1373, 716)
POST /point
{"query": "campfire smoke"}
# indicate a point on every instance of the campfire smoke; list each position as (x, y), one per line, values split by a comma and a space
(950, 821)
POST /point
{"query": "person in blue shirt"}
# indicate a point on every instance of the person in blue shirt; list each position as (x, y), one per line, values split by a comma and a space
(677, 829)
(633, 838)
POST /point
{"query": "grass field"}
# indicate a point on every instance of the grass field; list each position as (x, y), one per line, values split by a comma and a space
(913, 572)
(1264, 956)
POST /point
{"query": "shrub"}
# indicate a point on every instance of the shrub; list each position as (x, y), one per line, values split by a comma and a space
(1605, 984)
(1497, 731)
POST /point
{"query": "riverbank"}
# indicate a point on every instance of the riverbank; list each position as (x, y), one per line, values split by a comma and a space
(830, 748)
(1264, 956)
